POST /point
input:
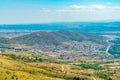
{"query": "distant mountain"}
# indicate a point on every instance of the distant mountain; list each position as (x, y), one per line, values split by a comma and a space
(84, 27)
(55, 38)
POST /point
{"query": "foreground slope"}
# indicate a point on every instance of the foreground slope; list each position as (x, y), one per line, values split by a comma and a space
(14, 68)
(17, 70)
(27, 66)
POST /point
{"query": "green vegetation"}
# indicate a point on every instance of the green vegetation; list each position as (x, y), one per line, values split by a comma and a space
(91, 66)
(53, 38)
(115, 49)
(26, 59)
(24, 65)
(102, 51)
(77, 78)
(103, 74)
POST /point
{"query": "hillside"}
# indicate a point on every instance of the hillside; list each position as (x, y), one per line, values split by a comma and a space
(55, 38)
(27, 66)
(115, 48)
(24, 66)
(67, 44)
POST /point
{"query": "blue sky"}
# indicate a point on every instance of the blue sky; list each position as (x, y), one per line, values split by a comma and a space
(43, 11)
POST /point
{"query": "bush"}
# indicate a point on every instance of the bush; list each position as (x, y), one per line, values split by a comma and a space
(91, 66)
(78, 78)
(103, 74)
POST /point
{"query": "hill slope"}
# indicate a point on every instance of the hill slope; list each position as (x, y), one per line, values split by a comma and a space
(55, 38)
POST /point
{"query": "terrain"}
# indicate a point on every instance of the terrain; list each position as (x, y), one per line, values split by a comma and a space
(77, 51)
(24, 65)
(64, 44)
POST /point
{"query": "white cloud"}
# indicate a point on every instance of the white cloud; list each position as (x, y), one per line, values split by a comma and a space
(45, 10)
(98, 6)
(65, 10)
(95, 6)
(89, 6)
(78, 7)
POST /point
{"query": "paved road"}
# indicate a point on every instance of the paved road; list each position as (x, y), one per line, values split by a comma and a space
(108, 47)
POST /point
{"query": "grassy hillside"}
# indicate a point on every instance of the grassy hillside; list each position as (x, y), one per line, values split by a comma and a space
(27, 66)
(11, 69)
(14, 68)
(55, 38)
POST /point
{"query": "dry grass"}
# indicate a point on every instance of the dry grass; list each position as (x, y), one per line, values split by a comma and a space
(11, 69)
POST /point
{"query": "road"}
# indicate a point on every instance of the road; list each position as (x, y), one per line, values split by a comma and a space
(108, 47)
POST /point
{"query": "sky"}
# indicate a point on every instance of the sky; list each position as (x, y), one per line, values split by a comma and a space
(46, 11)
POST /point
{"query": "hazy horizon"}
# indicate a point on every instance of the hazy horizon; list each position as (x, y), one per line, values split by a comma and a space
(109, 21)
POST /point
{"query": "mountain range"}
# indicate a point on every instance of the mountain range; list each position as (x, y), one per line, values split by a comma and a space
(84, 27)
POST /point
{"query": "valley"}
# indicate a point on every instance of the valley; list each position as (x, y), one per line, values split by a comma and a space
(59, 39)
(59, 54)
